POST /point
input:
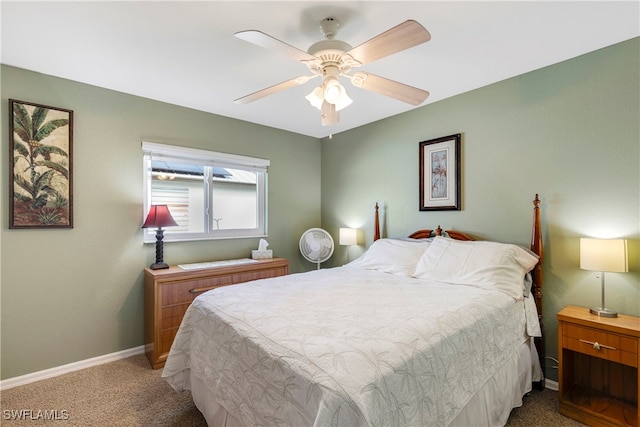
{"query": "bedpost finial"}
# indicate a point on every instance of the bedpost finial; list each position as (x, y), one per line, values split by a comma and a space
(536, 201)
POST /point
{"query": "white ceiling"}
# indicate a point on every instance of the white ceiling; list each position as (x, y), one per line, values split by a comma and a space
(185, 53)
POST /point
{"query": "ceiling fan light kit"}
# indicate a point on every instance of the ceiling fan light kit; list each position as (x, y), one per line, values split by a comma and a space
(332, 59)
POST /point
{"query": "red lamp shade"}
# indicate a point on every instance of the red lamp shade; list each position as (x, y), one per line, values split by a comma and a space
(159, 216)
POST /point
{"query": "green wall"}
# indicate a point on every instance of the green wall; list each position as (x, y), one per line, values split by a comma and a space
(73, 294)
(570, 132)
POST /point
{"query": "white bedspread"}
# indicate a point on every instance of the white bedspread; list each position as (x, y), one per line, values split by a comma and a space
(345, 347)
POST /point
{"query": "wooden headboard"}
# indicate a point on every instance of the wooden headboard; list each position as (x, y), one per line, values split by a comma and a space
(536, 247)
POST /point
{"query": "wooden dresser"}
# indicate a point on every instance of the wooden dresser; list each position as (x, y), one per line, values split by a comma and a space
(169, 292)
(598, 363)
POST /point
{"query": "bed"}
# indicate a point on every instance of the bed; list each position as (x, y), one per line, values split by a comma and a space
(433, 329)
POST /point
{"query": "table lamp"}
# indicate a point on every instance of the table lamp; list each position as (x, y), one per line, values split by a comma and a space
(159, 216)
(348, 237)
(603, 255)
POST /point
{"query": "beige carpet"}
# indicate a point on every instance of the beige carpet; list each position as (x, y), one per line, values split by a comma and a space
(129, 393)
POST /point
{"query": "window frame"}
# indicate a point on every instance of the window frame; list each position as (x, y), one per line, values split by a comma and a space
(155, 151)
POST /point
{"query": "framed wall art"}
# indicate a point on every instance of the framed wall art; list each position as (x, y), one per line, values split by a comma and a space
(440, 174)
(40, 157)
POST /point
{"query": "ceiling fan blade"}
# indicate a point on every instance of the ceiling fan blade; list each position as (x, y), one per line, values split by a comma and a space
(400, 91)
(401, 37)
(264, 40)
(272, 89)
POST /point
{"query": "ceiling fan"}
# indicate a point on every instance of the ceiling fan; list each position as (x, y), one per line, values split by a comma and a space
(332, 59)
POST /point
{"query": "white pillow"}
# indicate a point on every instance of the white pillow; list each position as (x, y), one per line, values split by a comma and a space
(395, 256)
(490, 265)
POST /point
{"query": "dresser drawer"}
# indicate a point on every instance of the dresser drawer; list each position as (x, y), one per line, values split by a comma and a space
(259, 274)
(179, 292)
(605, 345)
(166, 340)
(171, 317)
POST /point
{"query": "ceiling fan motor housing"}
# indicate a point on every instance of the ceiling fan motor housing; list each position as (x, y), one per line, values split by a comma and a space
(329, 50)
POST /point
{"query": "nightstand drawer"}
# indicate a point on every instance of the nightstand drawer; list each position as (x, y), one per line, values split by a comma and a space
(605, 345)
(598, 358)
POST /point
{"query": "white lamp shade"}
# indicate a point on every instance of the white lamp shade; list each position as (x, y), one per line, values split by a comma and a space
(603, 255)
(333, 90)
(315, 98)
(343, 102)
(348, 236)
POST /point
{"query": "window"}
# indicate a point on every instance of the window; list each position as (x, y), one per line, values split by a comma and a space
(210, 195)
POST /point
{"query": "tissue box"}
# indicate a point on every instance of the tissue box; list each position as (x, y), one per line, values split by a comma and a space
(266, 254)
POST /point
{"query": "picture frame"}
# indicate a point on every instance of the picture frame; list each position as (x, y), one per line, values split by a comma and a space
(440, 173)
(41, 166)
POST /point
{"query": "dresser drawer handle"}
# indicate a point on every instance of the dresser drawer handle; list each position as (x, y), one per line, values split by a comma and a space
(596, 345)
(199, 290)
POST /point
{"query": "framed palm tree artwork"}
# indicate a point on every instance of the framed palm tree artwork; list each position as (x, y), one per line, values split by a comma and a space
(40, 148)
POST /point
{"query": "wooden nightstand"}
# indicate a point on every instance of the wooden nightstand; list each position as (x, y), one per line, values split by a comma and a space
(598, 367)
(169, 292)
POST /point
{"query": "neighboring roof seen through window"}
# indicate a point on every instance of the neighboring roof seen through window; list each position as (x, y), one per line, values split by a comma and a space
(219, 173)
(177, 168)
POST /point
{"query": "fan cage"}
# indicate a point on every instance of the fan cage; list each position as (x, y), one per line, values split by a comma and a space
(316, 245)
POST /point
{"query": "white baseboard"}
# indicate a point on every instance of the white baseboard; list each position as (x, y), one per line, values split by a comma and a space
(64, 369)
(551, 384)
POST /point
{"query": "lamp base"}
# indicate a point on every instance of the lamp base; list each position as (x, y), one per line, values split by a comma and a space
(159, 266)
(603, 312)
